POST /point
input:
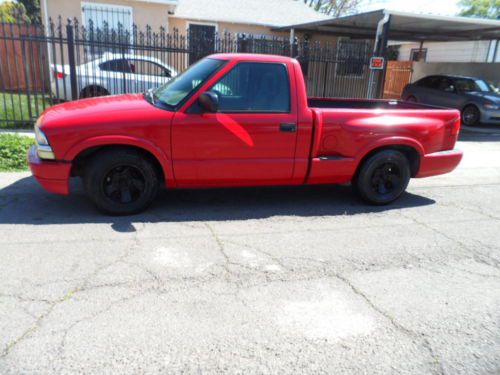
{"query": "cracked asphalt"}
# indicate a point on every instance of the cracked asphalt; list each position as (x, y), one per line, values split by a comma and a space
(279, 280)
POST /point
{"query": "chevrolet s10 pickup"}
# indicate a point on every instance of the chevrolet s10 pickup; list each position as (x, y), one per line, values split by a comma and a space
(238, 120)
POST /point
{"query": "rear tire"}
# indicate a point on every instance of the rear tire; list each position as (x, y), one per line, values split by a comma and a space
(383, 177)
(120, 182)
(471, 115)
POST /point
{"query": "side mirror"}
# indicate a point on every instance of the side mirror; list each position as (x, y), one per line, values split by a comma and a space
(209, 101)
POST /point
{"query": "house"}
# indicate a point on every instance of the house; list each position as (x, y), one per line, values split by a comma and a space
(471, 51)
(207, 16)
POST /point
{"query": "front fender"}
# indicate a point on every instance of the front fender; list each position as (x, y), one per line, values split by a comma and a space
(148, 146)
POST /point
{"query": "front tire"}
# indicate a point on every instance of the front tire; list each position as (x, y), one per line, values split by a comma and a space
(121, 182)
(383, 177)
(471, 115)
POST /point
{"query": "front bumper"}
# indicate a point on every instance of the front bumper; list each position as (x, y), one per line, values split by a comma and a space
(490, 116)
(51, 174)
(439, 163)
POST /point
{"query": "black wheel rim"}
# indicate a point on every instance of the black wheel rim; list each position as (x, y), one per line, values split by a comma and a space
(386, 179)
(124, 184)
(470, 116)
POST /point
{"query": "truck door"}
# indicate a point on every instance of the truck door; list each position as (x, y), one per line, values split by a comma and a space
(249, 141)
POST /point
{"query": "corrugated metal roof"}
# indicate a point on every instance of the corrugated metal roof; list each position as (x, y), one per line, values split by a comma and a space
(254, 12)
(405, 26)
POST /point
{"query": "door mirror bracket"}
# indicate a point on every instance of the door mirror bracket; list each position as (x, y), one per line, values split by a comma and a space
(209, 101)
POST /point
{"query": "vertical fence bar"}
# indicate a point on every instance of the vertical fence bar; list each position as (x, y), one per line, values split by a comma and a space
(71, 60)
(27, 79)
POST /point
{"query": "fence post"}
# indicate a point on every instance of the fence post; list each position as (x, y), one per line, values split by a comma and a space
(71, 60)
(27, 77)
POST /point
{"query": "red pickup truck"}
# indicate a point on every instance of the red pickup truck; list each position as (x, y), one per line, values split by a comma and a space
(238, 120)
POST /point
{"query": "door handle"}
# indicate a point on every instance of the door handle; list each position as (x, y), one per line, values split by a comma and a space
(289, 128)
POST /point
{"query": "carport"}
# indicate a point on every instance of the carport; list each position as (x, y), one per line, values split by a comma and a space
(384, 25)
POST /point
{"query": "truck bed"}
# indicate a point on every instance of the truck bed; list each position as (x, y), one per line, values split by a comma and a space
(365, 104)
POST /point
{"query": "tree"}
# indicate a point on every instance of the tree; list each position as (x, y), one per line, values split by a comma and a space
(334, 8)
(32, 9)
(480, 8)
(11, 12)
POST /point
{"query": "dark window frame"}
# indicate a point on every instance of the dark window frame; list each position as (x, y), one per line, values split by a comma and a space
(414, 52)
(347, 58)
(154, 63)
(114, 71)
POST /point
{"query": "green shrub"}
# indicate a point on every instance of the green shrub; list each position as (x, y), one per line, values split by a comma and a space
(13, 151)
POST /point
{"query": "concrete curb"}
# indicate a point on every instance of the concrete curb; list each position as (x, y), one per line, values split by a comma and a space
(468, 129)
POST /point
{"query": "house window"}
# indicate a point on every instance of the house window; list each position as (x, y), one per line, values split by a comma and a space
(102, 16)
(417, 54)
(352, 58)
(99, 20)
(201, 41)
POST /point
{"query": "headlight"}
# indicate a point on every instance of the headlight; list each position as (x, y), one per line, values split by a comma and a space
(41, 139)
(491, 106)
(43, 149)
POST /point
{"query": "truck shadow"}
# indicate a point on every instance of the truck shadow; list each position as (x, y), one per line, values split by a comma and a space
(25, 202)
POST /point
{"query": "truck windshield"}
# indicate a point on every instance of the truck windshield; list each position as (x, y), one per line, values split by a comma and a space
(180, 87)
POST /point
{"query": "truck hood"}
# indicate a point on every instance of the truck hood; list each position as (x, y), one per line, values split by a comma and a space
(69, 125)
(105, 110)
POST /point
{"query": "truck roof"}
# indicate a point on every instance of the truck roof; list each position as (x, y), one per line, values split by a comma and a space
(252, 57)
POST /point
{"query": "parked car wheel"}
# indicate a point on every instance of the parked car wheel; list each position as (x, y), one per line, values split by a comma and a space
(383, 177)
(411, 98)
(93, 91)
(471, 115)
(121, 182)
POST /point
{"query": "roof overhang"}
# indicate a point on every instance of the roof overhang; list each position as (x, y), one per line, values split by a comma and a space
(405, 27)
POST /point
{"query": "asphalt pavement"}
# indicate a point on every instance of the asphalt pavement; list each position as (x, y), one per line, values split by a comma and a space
(304, 280)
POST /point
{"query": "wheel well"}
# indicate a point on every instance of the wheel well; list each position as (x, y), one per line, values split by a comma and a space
(411, 154)
(469, 105)
(92, 87)
(82, 159)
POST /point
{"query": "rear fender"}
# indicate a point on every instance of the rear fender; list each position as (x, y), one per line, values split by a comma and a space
(153, 149)
(390, 141)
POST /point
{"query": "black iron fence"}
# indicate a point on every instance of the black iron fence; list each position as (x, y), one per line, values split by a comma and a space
(42, 65)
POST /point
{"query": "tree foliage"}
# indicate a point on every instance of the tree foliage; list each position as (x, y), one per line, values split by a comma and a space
(32, 9)
(334, 8)
(12, 12)
(480, 8)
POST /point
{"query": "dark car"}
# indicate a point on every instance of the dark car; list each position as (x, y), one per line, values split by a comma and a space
(476, 99)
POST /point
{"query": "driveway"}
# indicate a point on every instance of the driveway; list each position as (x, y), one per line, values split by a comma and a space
(276, 280)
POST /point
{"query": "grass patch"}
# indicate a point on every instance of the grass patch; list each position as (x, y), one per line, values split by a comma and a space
(13, 151)
(15, 111)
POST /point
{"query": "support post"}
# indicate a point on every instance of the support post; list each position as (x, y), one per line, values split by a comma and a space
(292, 42)
(382, 51)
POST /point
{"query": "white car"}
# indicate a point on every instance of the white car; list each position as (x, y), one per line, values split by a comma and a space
(111, 74)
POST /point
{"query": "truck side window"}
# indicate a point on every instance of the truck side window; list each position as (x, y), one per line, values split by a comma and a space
(254, 87)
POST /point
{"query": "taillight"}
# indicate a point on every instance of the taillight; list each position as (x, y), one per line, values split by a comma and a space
(455, 129)
(59, 75)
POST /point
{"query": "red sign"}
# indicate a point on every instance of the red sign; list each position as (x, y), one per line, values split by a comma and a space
(377, 63)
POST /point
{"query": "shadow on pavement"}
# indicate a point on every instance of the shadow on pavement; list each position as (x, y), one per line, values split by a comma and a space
(480, 134)
(25, 202)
